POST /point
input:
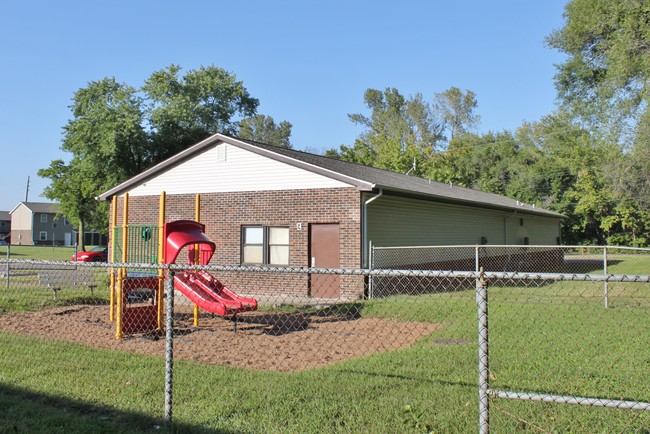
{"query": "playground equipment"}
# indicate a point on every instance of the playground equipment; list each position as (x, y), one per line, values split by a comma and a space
(129, 289)
(130, 292)
(201, 287)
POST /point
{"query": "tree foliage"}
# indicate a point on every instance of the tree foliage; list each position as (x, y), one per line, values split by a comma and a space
(457, 110)
(604, 81)
(107, 143)
(400, 134)
(263, 129)
(184, 110)
(117, 131)
(605, 77)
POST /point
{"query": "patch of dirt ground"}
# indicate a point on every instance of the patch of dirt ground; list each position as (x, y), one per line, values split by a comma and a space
(263, 340)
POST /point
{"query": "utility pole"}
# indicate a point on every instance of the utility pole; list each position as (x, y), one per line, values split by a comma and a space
(27, 191)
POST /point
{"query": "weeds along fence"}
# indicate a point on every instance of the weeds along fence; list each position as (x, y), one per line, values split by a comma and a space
(319, 354)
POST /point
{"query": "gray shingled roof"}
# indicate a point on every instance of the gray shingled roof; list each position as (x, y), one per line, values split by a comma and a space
(365, 178)
(398, 182)
(41, 207)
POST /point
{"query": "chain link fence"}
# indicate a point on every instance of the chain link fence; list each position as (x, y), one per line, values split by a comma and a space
(381, 350)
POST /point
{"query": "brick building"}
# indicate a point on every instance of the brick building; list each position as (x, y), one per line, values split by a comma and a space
(265, 205)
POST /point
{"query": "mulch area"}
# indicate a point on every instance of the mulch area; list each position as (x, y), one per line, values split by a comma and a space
(273, 341)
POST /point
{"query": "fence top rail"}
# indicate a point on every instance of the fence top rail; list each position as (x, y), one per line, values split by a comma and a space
(511, 246)
(642, 278)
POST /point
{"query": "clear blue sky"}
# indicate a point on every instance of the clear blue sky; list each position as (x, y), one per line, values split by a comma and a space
(308, 63)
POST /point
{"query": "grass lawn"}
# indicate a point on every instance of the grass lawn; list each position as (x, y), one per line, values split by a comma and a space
(45, 253)
(568, 348)
(554, 338)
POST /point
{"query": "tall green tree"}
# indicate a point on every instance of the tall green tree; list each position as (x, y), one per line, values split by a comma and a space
(629, 179)
(480, 161)
(261, 128)
(107, 143)
(117, 131)
(568, 175)
(457, 110)
(604, 80)
(400, 134)
(605, 76)
(183, 110)
(71, 185)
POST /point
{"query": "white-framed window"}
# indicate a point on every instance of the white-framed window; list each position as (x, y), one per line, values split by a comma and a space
(265, 245)
(42, 235)
(43, 218)
(65, 221)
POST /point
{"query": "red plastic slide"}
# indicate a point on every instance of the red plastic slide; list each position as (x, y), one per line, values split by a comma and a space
(201, 287)
(207, 292)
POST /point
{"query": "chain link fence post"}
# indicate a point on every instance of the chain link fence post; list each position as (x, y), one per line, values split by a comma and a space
(606, 289)
(371, 257)
(169, 348)
(8, 257)
(483, 357)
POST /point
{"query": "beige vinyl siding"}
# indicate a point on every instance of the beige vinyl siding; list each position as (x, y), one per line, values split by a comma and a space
(21, 226)
(21, 218)
(394, 221)
(226, 168)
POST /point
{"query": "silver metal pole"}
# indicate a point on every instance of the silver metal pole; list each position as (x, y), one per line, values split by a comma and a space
(483, 359)
(606, 289)
(370, 259)
(577, 400)
(169, 353)
(8, 257)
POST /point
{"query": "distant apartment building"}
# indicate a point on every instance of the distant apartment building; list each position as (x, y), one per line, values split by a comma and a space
(5, 225)
(39, 224)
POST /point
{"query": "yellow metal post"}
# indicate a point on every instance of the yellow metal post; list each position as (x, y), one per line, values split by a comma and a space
(197, 214)
(112, 270)
(161, 257)
(122, 273)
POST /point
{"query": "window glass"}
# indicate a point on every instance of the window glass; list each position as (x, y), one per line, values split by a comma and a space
(265, 245)
(42, 235)
(279, 246)
(253, 235)
(278, 236)
(253, 245)
(279, 255)
(43, 218)
(253, 254)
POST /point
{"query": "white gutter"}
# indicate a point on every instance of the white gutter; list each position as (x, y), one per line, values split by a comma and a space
(364, 240)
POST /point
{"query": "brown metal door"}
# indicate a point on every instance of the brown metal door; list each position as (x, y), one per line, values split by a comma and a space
(324, 252)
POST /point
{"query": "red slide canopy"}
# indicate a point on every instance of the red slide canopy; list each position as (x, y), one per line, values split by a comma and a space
(181, 233)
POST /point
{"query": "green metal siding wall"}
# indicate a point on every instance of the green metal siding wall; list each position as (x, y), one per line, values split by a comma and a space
(396, 221)
(538, 230)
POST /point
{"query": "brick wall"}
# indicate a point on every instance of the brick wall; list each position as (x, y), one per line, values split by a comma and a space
(225, 213)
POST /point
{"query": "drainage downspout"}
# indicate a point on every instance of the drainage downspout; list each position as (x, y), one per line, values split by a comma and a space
(365, 226)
